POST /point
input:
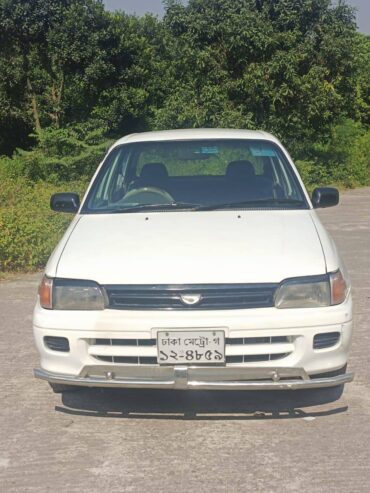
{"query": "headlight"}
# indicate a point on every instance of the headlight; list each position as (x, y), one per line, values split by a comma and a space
(70, 294)
(312, 292)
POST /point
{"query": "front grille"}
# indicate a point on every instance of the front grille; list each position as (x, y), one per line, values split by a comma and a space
(251, 358)
(266, 344)
(212, 296)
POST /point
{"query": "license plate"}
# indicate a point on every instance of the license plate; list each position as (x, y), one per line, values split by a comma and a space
(191, 347)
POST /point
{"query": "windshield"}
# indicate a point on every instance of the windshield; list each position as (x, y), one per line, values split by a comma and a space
(195, 175)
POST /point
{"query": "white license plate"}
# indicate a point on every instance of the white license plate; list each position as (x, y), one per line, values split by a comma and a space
(191, 347)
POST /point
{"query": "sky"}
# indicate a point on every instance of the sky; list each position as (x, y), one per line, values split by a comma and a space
(155, 6)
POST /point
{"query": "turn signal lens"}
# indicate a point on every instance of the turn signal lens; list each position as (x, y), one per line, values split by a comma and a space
(338, 288)
(45, 293)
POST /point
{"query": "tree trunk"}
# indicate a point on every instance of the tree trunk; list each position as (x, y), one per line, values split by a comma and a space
(35, 111)
(56, 98)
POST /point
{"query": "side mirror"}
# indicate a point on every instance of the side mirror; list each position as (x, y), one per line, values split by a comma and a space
(65, 202)
(325, 197)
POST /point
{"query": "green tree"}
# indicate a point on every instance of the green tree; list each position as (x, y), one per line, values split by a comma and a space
(139, 82)
(72, 62)
(363, 78)
(285, 65)
(60, 54)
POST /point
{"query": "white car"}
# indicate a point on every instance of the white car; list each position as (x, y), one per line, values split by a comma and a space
(196, 260)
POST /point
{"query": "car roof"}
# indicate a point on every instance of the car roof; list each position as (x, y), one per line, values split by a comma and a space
(195, 133)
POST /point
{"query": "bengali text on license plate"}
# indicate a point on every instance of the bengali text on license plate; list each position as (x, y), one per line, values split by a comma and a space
(191, 347)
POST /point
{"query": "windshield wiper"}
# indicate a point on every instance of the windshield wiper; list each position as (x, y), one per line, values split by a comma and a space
(149, 207)
(250, 203)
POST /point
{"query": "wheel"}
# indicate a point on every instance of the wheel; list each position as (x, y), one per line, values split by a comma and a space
(59, 388)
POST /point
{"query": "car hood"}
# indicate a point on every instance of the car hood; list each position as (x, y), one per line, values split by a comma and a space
(192, 247)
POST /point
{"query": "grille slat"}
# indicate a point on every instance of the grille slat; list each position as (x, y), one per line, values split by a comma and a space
(147, 360)
(257, 340)
(168, 297)
(124, 342)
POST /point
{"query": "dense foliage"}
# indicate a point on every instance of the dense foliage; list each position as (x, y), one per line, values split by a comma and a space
(29, 229)
(73, 77)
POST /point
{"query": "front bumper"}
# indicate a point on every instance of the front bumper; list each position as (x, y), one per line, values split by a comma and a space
(197, 378)
(299, 365)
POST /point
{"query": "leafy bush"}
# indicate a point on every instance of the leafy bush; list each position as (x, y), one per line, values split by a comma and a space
(29, 229)
(346, 154)
(343, 159)
(60, 155)
(62, 160)
(312, 173)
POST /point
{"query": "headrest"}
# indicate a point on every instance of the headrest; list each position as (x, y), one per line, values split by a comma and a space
(240, 170)
(154, 171)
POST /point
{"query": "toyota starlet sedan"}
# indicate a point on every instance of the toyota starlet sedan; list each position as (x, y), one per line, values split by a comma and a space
(196, 260)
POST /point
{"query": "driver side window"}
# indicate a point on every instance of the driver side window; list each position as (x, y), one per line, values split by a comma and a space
(112, 183)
